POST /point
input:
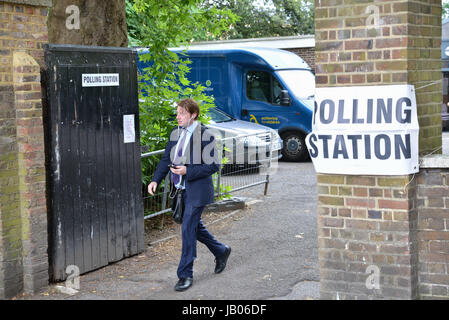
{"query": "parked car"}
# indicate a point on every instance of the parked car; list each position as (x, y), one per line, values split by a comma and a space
(247, 143)
(268, 86)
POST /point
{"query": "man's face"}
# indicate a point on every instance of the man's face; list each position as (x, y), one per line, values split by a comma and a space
(184, 118)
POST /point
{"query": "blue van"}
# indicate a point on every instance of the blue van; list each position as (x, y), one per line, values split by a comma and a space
(267, 86)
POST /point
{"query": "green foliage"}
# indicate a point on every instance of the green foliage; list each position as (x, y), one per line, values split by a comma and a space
(170, 23)
(270, 19)
(445, 10)
(225, 191)
(158, 25)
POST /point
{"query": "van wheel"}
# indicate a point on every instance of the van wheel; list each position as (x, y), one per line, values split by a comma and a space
(294, 148)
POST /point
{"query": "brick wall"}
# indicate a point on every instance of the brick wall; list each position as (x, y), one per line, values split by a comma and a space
(371, 222)
(364, 221)
(308, 54)
(2, 273)
(432, 202)
(404, 48)
(30, 141)
(23, 228)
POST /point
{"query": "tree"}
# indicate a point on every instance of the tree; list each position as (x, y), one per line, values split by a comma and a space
(445, 10)
(174, 22)
(299, 15)
(274, 18)
(159, 25)
(88, 22)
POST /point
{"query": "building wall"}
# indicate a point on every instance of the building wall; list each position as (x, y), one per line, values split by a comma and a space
(308, 54)
(432, 202)
(382, 223)
(23, 216)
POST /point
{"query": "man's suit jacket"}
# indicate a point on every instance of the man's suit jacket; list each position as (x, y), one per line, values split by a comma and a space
(201, 162)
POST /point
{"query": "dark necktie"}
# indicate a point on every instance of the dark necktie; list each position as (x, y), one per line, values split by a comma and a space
(176, 177)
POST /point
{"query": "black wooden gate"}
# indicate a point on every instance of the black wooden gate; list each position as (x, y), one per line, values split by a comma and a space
(93, 157)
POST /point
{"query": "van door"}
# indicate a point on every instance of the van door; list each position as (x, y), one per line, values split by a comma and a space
(261, 99)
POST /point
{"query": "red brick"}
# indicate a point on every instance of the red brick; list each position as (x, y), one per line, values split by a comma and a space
(359, 213)
(343, 79)
(433, 235)
(360, 192)
(358, 44)
(393, 204)
(402, 226)
(394, 249)
(431, 224)
(319, 79)
(358, 78)
(331, 243)
(361, 224)
(361, 180)
(389, 43)
(358, 202)
(333, 222)
(439, 247)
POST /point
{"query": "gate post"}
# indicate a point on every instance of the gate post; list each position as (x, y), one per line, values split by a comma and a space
(367, 225)
(23, 214)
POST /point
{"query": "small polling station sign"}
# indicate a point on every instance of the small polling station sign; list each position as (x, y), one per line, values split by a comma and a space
(370, 130)
(100, 79)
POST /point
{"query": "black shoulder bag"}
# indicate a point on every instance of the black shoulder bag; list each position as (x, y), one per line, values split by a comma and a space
(178, 204)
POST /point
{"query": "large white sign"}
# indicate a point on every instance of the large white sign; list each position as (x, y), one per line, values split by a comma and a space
(100, 79)
(370, 130)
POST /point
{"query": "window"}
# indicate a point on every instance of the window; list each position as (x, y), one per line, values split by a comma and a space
(263, 86)
(300, 82)
(219, 116)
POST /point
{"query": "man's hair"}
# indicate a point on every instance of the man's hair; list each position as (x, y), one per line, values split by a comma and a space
(190, 105)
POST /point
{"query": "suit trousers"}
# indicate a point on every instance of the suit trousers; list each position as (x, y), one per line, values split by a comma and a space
(193, 229)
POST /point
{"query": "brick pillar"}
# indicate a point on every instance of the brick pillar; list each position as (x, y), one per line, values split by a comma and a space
(369, 223)
(23, 214)
(432, 203)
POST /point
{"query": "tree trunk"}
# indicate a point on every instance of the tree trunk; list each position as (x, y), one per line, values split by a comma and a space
(88, 22)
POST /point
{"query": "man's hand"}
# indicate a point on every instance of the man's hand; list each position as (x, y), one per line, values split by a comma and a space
(181, 170)
(152, 187)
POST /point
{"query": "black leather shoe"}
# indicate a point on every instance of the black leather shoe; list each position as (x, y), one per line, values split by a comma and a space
(183, 284)
(220, 263)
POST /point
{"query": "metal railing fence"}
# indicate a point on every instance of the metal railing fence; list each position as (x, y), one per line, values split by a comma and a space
(248, 165)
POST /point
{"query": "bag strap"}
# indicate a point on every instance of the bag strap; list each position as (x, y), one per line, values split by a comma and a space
(175, 193)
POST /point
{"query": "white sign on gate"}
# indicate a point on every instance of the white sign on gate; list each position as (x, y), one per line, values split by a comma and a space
(100, 79)
(129, 131)
(369, 130)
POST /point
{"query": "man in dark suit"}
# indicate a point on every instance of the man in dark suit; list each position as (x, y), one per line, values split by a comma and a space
(192, 149)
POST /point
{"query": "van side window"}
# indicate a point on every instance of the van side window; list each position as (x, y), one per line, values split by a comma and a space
(258, 85)
(262, 86)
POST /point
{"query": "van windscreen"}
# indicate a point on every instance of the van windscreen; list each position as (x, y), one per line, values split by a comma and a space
(301, 82)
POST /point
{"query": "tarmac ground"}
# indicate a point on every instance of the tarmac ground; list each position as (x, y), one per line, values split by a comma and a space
(274, 252)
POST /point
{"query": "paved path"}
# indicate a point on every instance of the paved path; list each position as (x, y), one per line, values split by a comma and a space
(274, 252)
